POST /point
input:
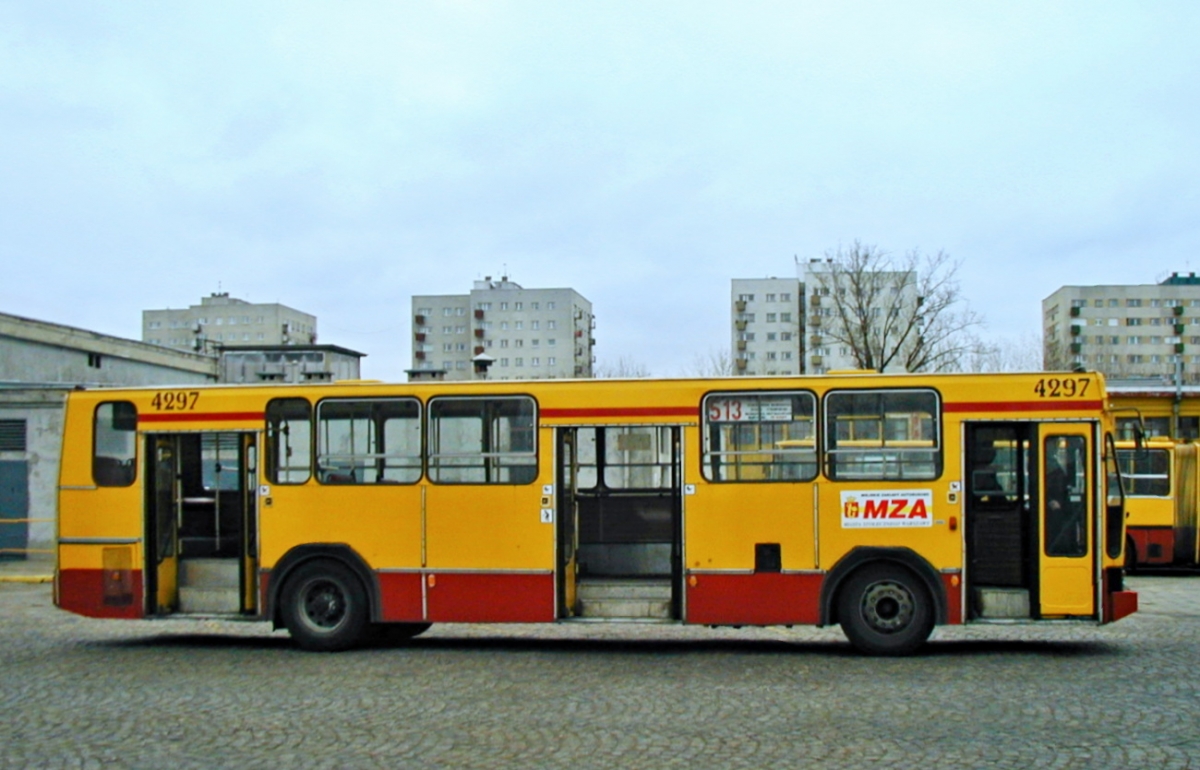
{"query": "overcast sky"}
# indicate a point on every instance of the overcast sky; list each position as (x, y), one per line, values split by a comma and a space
(341, 157)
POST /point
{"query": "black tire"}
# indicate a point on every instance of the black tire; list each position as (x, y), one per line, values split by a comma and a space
(325, 606)
(885, 610)
(394, 633)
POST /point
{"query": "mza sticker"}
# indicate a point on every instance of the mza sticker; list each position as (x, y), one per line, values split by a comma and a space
(891, 508)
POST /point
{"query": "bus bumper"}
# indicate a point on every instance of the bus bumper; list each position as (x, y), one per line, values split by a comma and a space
(1117, 601)
(1120, 604)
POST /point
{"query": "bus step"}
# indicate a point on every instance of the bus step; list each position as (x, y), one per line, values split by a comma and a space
(210, 586)
(1002, 602)
(624, 599)
(202, 601)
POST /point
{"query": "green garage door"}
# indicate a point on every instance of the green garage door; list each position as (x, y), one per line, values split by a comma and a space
(14, 508)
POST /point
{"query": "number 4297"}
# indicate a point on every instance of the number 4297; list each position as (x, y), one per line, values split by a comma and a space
(175, 400)
(1066, 387)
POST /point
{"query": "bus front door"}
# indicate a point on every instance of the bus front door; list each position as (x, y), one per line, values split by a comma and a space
(1066, 563)
(201, 524)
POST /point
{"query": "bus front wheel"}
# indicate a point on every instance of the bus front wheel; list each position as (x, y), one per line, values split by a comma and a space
(394, 633)
(325, 607)
(885, 610)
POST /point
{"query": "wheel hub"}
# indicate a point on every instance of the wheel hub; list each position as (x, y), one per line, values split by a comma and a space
(324, 606)
(887, 607)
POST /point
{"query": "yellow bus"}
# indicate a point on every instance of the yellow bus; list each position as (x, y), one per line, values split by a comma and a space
(1155, 409)
(887, 504)
(1161, 503)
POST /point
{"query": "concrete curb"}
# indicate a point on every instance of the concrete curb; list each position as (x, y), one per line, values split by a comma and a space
(26, 578)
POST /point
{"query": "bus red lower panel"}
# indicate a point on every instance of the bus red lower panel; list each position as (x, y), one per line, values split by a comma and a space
(490, 597)
(101, 593)
(759, 599)
(400, 597)
(952, 585)
(1153, 545)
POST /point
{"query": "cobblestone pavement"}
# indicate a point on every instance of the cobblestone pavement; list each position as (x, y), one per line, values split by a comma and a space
(76, 692)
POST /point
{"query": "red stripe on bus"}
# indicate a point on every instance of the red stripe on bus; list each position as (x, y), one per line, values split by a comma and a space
(200, 416)
(1024, 406)
(624, 411)
(1144, 537)
(758, 599)
(400, 597)
(456, 597)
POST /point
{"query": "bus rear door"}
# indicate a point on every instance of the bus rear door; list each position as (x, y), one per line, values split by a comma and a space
(1029, 515)
(1066, 573)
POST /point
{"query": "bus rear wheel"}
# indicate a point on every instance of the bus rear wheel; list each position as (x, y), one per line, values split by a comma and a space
(325, 607)
(393, 633)
(885, 610)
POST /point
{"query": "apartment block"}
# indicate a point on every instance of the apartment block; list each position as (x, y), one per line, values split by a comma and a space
(1126, 331)
(784, 326)
(517, 333)
(767, 326)
(220, 320)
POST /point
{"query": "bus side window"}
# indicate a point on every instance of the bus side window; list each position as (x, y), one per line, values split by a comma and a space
(114, 444)
(992, 460)
(1065, 467)
(637, 457)
(1147, 472)
(489, 440)
(760, 436)
(369, 441)
(1114, 500)
(883, 434)
(289, 440)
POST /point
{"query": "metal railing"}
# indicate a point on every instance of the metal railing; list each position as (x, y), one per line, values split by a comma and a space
(25, 551)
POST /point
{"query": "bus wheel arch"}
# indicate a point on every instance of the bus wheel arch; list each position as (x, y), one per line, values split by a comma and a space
(297, 557)
(887, 600)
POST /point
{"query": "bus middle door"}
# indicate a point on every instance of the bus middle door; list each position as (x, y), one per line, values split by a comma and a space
(1066, 572)
(567, 487)
(162, 552)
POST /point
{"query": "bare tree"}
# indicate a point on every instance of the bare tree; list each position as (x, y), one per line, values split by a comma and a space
(1055, 357)
(625, 367)
(900, 313)
(1006, 354)
(717, 362)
